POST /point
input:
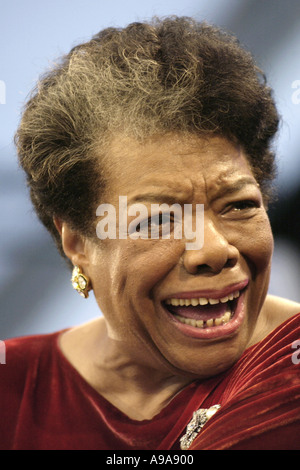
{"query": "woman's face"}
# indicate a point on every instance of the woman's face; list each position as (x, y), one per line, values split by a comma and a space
(193, 311)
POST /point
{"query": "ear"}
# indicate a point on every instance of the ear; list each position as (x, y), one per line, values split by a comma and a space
(73, 243)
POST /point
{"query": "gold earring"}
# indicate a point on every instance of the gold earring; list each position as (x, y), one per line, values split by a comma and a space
(80, 282)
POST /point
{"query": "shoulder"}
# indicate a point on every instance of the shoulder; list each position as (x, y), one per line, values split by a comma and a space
(24, 347)
(280, 309)
(275, 311)
(21, 357)
(23, 360)
(260, 397)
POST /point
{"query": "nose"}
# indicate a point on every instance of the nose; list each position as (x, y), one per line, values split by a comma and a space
(215, 255)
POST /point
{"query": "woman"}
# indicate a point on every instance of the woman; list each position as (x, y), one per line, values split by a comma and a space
(170, 112)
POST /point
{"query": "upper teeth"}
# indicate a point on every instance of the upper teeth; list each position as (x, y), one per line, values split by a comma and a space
(201, 301)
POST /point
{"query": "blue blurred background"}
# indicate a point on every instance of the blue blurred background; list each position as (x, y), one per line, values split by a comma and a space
(35, 292)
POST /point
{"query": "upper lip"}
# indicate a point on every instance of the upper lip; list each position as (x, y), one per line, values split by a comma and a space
(210, 293)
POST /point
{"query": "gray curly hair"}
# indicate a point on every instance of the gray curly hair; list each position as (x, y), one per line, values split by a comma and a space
(172, 74)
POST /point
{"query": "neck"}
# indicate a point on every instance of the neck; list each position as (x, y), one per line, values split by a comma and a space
(122, 373)
(133, 381)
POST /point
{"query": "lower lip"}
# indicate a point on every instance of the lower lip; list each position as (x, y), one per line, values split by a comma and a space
(228, 329)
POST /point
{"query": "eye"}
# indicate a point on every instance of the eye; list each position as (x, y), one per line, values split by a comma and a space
(244, 205)
(241, 209)
(156, 226)
(155, 221)
(160, 219)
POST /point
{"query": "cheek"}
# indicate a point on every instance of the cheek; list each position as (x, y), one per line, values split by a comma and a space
(263, 245)
(256, 243)
(150, 262)
(123, 268)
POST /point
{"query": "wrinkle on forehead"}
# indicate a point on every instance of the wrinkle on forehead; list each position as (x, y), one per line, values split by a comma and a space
(174, 163)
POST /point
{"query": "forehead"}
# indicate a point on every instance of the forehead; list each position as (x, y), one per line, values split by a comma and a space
(175, 163)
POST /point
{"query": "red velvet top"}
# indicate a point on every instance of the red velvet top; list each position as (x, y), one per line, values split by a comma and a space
(46, 404)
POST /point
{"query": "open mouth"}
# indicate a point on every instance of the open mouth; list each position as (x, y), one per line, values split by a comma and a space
(207, 317)
(203, 312)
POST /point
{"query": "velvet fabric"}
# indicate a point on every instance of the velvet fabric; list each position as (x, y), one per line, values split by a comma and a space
(45, 403)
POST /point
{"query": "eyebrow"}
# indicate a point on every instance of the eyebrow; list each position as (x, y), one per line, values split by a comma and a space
(235, 187)
(159, 198)
(155, 198)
